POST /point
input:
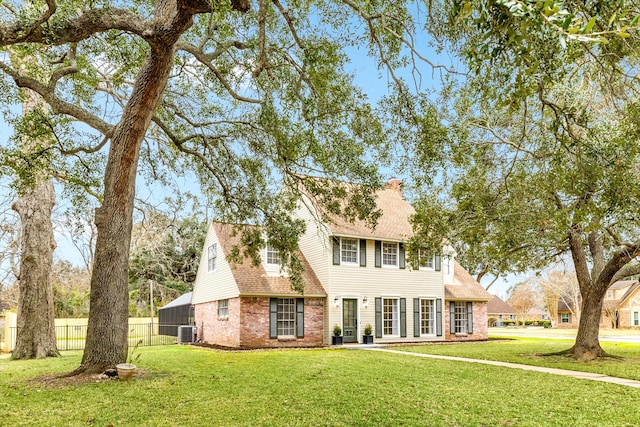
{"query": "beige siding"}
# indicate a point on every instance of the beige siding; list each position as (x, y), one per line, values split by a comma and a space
(315, 243)
(217, 284)
(357, 282)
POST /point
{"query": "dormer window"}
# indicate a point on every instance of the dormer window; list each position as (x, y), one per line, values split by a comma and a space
(273, 256)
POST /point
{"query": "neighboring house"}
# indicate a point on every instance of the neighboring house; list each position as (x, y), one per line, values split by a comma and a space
(566, 316)
(498, 311)
(621, 306)
(536, 314)
(354, 276)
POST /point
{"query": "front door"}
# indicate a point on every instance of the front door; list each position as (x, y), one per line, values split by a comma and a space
(350, 320)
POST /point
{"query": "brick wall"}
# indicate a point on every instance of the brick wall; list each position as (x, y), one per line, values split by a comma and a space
(480, 327)
(218, 330)
(254, 324)
(248, 324)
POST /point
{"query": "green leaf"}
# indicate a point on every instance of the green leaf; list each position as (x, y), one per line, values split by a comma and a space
(589, 25)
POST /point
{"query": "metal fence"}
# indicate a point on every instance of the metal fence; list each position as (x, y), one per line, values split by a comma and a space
(73, 337)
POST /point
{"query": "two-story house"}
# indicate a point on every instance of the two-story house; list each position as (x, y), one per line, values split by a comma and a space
(621, 305)
(354, 277)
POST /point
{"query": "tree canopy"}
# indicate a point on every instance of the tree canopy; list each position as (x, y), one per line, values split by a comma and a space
(541, 151)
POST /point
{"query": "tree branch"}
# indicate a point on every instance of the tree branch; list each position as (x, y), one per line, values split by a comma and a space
(76, 29)
(207, 59)
(59, 106)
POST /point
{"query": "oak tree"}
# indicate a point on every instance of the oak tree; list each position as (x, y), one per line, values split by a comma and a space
(250, 96)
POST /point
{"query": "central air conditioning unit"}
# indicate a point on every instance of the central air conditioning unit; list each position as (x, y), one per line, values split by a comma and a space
(186, 333)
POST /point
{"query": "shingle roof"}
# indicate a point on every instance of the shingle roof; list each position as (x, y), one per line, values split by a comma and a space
(497, 306)
(634, 286)
(620, 284)
(393, 224)
(253, 280)
(465, 287)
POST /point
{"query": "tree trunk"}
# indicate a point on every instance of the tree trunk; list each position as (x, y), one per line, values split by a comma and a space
(587, 346)
(36, 334)
(108, 326)
(36, 337)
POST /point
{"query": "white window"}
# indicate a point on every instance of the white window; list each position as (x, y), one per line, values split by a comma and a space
(565, 318)
(273, 256)
(390, 317)
(212, 256)
(286, 316)
(349, 251)
(427, 316)
(223, 308)
(389, 254)
(636, 318)
(425, 260)
(460, 317)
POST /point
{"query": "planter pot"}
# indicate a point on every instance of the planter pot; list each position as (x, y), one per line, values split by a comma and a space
(125, 370)
(336, 340)
(367, 339)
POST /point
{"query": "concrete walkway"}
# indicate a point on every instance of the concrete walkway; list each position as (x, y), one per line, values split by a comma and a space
(554, 371)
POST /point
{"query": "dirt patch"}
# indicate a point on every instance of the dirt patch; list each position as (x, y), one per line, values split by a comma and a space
(57, 381)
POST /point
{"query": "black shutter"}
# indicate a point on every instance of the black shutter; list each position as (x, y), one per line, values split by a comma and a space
(378, 253)
(299, 317)
(416, 317)
(378, 317)
(439, 317)
(469, 317)
(363, 252)
(273, 317)
(403, 317)
(401, 255)
(452, 317)
(438, 262)
(336, 250)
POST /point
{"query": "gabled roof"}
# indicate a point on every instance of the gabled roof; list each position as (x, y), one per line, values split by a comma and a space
(393, 224)
(465, 287)
(562, 306)
(632, 289)
(184, 299)
(621, 284)
(253, 280)
(497, 306)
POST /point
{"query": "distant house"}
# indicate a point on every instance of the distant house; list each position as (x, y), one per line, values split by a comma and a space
(499, 310)
(621, 306)
(354, 277)
(566, 315)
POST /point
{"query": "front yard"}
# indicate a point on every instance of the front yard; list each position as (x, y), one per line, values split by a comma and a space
(188, 386)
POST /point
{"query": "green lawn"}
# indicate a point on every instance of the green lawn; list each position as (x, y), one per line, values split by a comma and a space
(186, 386)
(534, 351)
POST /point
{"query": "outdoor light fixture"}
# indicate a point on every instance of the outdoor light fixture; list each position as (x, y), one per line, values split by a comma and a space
(365, 301)
(336, 301)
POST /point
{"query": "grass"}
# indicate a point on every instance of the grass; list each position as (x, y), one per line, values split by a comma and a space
(188, 386)
(535, 351)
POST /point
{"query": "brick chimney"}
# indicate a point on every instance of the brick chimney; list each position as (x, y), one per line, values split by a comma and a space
(395, 184)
